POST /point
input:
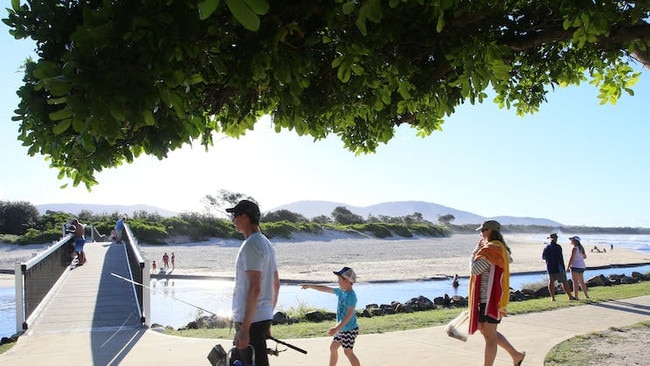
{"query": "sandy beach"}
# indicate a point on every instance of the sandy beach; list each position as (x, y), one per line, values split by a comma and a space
(313, 258)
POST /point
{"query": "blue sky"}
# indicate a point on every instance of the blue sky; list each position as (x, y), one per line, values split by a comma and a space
(575, 162)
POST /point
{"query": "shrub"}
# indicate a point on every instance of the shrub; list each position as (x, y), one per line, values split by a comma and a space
(278, 229)
(33, 236)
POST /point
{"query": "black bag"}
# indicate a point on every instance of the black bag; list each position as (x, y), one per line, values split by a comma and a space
(219, 357)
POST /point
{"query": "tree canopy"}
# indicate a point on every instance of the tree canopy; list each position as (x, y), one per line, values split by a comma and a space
(117, 79)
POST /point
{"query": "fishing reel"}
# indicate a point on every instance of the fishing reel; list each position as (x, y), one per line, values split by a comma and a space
(275, 352)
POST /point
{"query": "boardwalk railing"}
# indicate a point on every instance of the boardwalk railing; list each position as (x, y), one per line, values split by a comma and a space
(139, 269)
(36, 277)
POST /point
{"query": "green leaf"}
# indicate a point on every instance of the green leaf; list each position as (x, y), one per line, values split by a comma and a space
(441, 22)
(15, 4)
(148, 118)
(243, 13)
(349, 7)
(62, 126)
(61, 114)
(207, 7)
(260, 7)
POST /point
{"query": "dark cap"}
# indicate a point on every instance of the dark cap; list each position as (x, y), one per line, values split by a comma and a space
(553, 235)
(247, 207)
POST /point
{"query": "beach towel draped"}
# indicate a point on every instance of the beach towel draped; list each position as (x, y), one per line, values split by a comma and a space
(498, 294)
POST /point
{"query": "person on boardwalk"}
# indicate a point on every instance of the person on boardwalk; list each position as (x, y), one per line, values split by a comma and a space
(346, 329)
(552, 254)
(80, 240)
(577, 266)
(257, 285)
(165, 261)
(119, 229)
(489, 291)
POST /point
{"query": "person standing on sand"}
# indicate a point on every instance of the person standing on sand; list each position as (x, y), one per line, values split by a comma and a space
(165, 261)
(173, 260)
(257, 285)
(346, 330)
(577, 266)
(489, 292)
(552, 254)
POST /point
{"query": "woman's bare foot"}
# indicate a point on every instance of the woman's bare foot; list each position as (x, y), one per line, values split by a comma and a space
(521, 359)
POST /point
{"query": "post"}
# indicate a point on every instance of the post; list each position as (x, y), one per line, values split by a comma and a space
(146, 293)
(20, 303)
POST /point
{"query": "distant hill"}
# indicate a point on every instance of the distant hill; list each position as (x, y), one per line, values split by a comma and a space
(430, 212)
(76, 208)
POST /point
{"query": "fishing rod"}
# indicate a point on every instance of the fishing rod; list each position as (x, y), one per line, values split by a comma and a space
(295, 348)
(172, 296)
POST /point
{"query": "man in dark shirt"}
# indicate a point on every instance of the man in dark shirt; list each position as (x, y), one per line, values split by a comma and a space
(555, 267)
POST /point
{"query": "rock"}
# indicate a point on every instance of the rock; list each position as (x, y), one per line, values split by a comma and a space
(315, 316)
(280, 318)
(599, 280)
(458, 302)
(421, 303)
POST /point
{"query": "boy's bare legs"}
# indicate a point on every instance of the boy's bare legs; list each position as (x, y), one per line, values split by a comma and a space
(354, 361)
(334, 352)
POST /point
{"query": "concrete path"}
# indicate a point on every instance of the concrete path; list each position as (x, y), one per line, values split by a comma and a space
(535, 334)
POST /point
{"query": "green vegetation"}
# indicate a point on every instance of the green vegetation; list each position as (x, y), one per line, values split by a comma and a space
(114, 80)
(577, 351)
(151, 228)
(391, 323)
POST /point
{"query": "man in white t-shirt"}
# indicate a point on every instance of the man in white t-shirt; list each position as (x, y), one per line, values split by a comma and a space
(257, 285)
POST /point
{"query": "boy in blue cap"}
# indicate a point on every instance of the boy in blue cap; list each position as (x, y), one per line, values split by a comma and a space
(346, 329)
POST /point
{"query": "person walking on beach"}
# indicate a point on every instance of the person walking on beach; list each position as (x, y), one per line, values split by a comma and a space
(173, 260)
(257, 285)
(346, 329)
(80, 241)
(577, 266)
(552, 254)
(489, 292)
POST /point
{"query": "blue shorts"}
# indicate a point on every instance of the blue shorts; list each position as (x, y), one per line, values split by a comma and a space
(79, 245)
(577, 270)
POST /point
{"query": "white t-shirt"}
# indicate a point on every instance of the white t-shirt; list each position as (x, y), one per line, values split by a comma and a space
(255, 254)
(578, 259)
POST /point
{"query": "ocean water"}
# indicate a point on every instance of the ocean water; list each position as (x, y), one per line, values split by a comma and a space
(177, 302)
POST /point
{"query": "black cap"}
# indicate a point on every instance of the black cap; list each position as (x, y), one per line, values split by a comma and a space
(247, 207)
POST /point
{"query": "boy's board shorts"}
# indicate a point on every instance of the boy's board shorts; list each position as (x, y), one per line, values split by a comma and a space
(79, 245)
(347, 338)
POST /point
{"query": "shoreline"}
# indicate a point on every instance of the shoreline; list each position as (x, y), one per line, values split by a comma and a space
(7, 279)
(313, 258)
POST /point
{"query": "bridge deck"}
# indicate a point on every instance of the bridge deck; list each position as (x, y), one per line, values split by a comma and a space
(89, 298)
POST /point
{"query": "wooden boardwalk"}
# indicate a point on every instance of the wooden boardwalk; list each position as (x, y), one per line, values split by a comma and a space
(89, 298)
